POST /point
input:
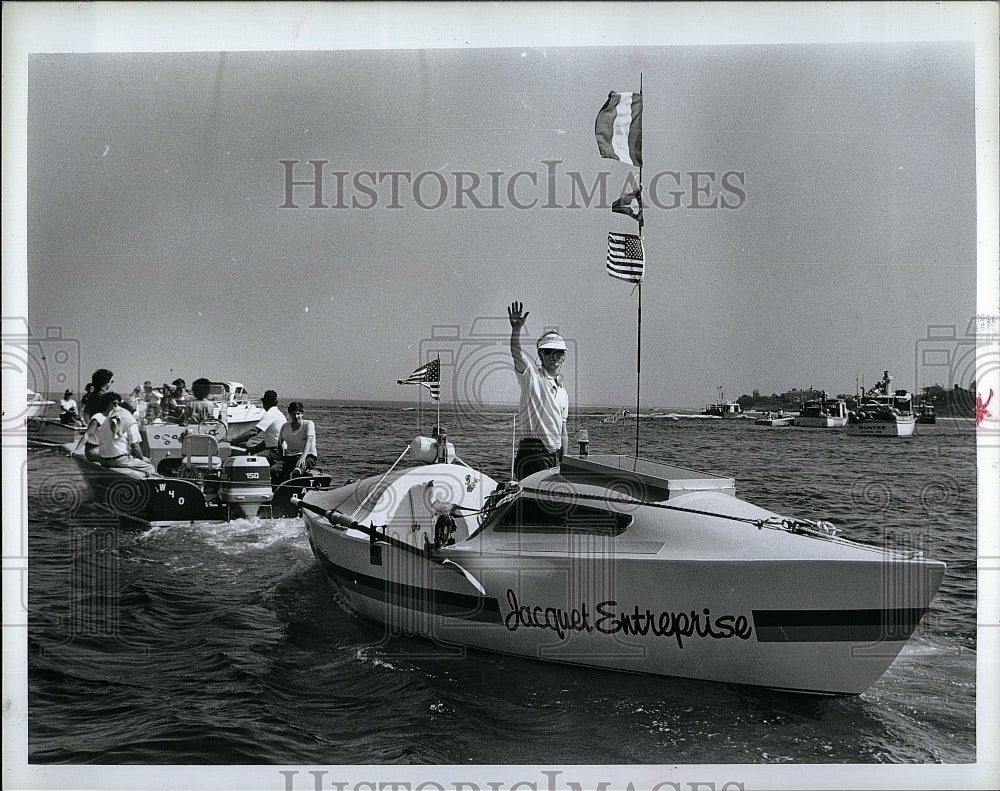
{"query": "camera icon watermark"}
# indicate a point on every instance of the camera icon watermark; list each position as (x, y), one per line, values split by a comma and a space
(477, 371)
(958, 372)
(49, 364)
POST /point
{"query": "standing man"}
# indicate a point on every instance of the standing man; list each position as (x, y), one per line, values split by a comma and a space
(544, 404)
(267, 431)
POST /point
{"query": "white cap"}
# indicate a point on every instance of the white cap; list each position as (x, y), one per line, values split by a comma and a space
(551, 340)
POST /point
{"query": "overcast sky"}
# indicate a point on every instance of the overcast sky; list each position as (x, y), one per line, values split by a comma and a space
(846, 225)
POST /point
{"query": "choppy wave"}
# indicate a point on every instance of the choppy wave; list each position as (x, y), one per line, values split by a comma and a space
(224, 644)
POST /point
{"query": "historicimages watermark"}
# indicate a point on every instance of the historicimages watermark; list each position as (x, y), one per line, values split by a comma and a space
(319, 184)
(544, 780)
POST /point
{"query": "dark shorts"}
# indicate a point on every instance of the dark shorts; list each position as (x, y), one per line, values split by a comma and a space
(532, 456)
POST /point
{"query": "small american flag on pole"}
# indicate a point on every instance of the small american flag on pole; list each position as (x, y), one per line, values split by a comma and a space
(625, 258)
(428, 376)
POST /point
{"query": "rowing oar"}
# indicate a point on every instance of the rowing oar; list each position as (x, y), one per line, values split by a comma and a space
(342, 521)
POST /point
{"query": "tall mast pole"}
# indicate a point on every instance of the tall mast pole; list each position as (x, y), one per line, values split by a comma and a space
(638, 330)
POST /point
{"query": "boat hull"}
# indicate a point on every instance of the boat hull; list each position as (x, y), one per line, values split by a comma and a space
(47, 433)
(820, 422)
(903, 426)
(242, 417)
(679, 593)
(775, 422)
(664, 618)
(154, 501)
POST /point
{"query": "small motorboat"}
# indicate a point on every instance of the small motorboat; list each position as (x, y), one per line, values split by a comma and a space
(622, 563)
(242, 411)
(926, 414)
(198, 479)
(723, 408)
(774, 420)
(36, 404)
(822, 413)
(43, 432)
(883, 412)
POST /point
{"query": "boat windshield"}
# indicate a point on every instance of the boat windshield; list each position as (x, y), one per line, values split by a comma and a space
(535, 515)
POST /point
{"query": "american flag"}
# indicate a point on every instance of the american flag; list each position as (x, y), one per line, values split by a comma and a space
(625, 258)
(428, 376)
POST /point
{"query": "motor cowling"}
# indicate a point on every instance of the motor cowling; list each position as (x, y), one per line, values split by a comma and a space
(245, 484)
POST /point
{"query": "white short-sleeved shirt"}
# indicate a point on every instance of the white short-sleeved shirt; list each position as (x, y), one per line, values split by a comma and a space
(301, 442)
(271, 425)
(93, 426)
(544, 407)
(117, 434)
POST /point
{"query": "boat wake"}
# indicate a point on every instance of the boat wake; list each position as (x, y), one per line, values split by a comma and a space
(239, 536)
(253, 534)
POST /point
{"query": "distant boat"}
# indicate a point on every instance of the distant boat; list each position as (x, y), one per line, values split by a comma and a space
(36, 404)
(614, 417)
(883, 412)
(242, 411)
(775, 420)
(926, 413)
(48, 433)
(823, 413)
(724, 408)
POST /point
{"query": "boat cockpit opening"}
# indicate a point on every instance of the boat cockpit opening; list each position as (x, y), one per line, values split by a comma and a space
(536, 515)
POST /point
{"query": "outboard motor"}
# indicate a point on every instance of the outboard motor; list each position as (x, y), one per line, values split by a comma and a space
(245, 484)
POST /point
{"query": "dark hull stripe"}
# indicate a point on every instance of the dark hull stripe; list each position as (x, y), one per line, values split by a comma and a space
(770, 626)
(429, 600)
(828, 626)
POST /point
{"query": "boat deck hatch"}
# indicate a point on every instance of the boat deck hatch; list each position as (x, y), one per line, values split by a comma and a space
(655, 480)
(537, 515)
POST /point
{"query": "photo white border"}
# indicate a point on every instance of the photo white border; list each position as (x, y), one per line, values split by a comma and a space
(189, 27)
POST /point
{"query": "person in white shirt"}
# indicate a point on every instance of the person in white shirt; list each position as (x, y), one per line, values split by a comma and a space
(297, 440)
(118, 440)
(262, 439)
(89, 439)
(69, 416)
(544, 405)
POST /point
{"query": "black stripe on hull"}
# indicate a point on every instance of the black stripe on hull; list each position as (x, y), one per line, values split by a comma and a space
(834, 626)
(770, 626)
(428, 600)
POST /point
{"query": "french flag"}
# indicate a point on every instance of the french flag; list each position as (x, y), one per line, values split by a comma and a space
(619, 128)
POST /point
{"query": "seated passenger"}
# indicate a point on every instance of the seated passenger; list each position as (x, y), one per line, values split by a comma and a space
(119, 444)
(262, 438)
(90, 439)
(174, 398)
(297, 441)
(152, 398)
(100, 382)
(69, 415)
(202, 408)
